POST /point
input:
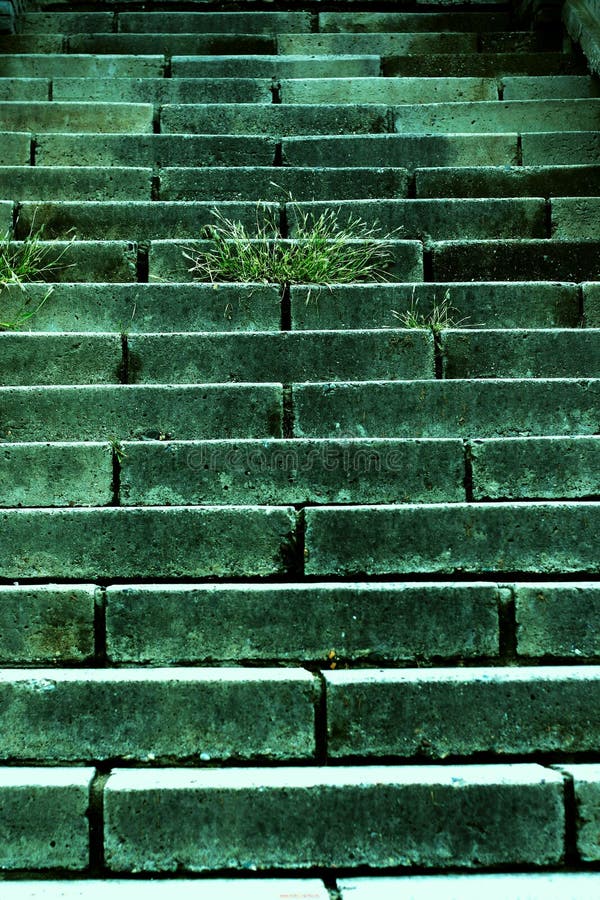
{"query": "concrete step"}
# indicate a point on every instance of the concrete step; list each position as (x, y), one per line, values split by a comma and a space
(263, 183)
(40, 358)
(438, 219)
(178, 22)
(504, 116)
(538, 538)
(573, 216)
(37, 117)
(483, 65)
(460, 712)
(50, 830)
(430, 219)
(328, 624)
(65, 22)
(15, 149)
(114, 307)
(86, 261)
(560, 148)
(165, 44)
(276, 119)
(163, 90)
(386, 90)
(565, 260)
(45, 715)
(509, 181)
(449, 20)
(534, 886)
(447, 805)
(190, 150)
(584, 779)
(75, 183)
(490, 304)
(24, 89)
(71, 65)
(112, 543)
(274, 66)
(381, 44)
(138, 412)
(457, 408)
(403, 150)
(548, 87)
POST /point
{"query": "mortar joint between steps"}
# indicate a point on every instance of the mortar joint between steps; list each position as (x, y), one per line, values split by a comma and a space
(572, 857)
(100, 648)
(95, 817)
(468, 477)
(507, 625)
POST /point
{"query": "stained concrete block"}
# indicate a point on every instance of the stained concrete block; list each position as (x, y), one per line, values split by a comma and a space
(561, 148)
(576, 216)
(405, 150)
(382, 44)
(386, 90)
(75, 183)
(443, 538)
(43, 818)
(459, 712)
(215, 22)
(170, 44)
(548, 468)
(536, 260)
(283, 357)
(163, 90)
(586, 782)
(59, 474)
(492, 304)
(28, 359)
(331, 623)
(272, 472)
(460, 408)
(15, 149)
(183, 714)
(153, 150)
(139, 412)
(109, 542)
(47, 623)
(76, 117)
(274, 66)
(339, 816)
(508, 181)
(133, 308)
(71, 65)
(558, 619)
(503, 116)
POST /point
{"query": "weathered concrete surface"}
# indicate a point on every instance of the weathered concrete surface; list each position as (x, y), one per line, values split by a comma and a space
(301, 817)
(147, 543)
(156, 714)
(273, 472)
(57, 474)
(47, 623)
(43, 818)
(73, 358)
(459, 712)
(558, 619)
(586, 781)
(444, 538)
(171, 624)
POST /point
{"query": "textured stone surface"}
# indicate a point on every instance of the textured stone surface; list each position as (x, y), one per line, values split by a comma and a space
(517, 115)
(74, 183)
(272, 66)
(215, 22)
(574, 216)
(517, 353)
(273, 472)
(15, 149)
(537, 260)
(458, 712)
(561, 147)
(591, 305)
(491, 305)
(392, 90)
(459, 408)
(60, 358)
(156, 714)
(507, 181)
(43, 818)
(133, 308)
(146, 543)
(409, 150)
(32, 116)
(383, 44)
(140, 412)
(302, 817)
(88, 260)
(555, 619)
(68, 474)
(153, 150)
(161, 624)
(163, 90)
(69, 65)
(550, 467)
(494, 537)
(47, 623)
(283, 357)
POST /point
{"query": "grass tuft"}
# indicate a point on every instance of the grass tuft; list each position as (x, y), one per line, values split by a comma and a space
(22, 262)
(441, 316)
(322, 252)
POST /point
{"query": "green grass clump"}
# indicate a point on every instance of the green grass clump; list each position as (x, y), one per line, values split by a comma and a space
(441, 316)
(25, 261)
(323, 251)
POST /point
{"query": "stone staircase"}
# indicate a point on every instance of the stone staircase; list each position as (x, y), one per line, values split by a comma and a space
(296, 601)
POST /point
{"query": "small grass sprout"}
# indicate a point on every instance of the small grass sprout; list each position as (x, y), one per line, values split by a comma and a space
(25, 261)
(441, 316)
(322, 251)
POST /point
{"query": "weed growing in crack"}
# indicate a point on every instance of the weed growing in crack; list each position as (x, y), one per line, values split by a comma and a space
(441, 316)
(25, 261)
(323, 251)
